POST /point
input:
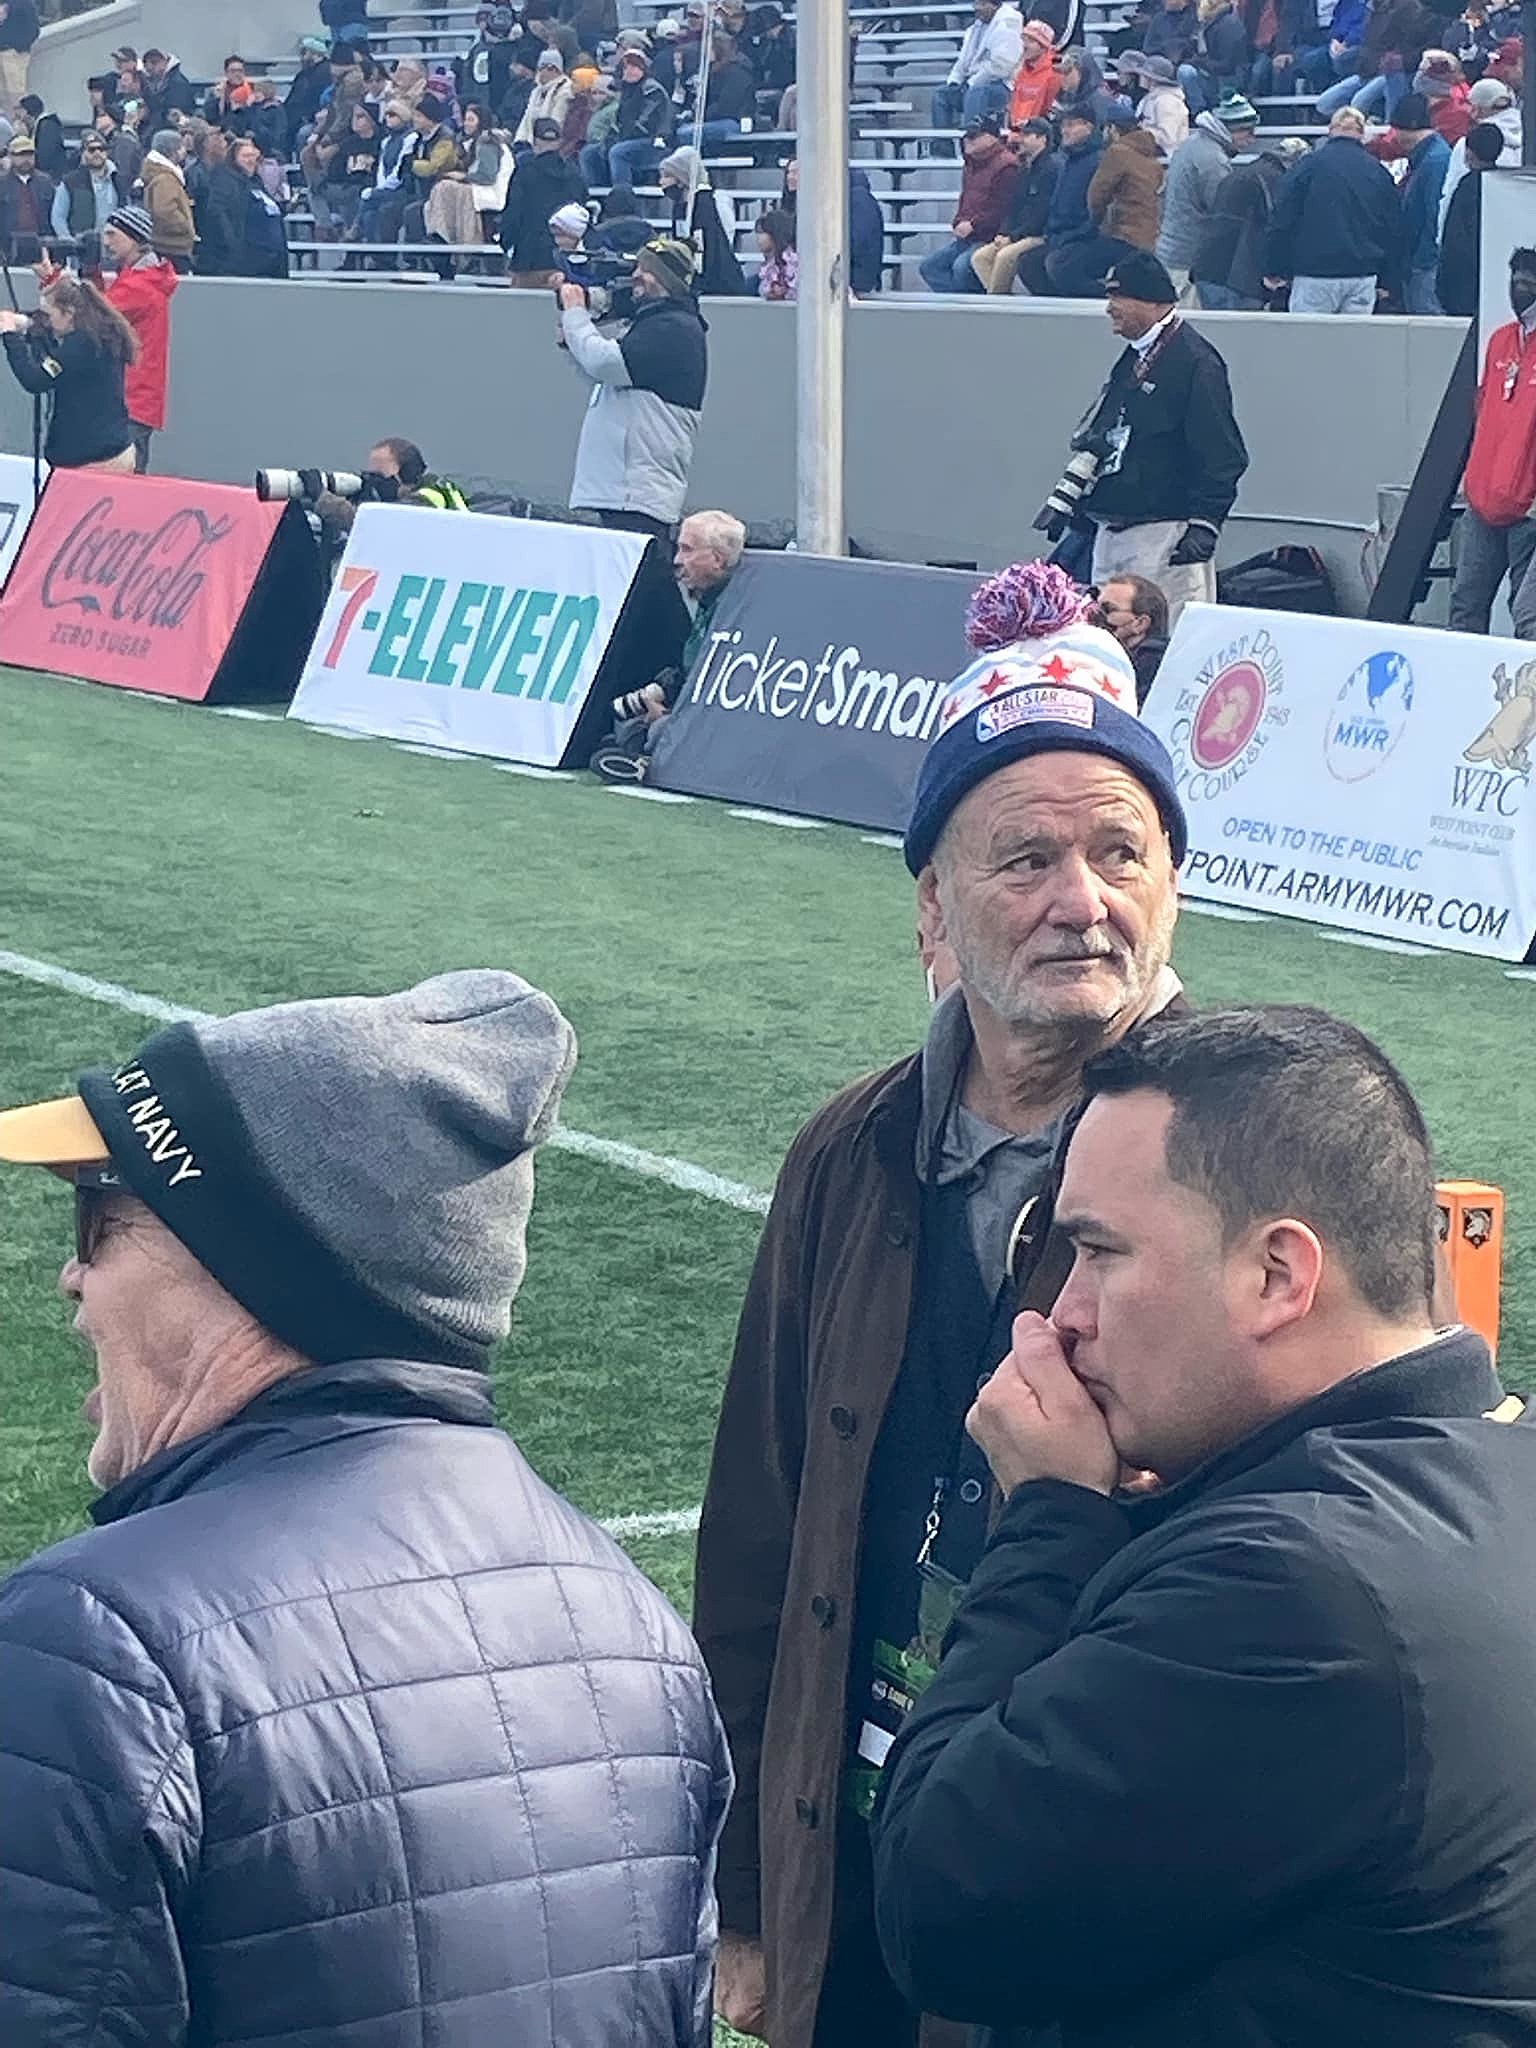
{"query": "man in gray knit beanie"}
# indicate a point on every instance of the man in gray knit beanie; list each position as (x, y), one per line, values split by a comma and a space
(339, 1720)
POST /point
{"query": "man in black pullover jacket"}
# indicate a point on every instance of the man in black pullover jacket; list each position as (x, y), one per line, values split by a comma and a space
(1169, 452)
(1247, 1758)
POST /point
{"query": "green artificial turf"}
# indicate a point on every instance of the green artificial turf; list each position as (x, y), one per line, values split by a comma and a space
(724, 977)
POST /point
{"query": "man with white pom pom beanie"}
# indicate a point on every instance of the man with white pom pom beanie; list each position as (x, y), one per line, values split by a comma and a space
(339, 1724)
(912, 1218)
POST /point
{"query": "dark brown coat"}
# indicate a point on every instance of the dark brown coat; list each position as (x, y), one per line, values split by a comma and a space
(818, 1350)
(1126, 195)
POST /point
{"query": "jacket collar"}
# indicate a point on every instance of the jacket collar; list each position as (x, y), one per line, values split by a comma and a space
(325, 1400)
(1452, 1375)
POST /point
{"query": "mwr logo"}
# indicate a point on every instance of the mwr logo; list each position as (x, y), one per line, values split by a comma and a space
(1368, 717)
(519, 643)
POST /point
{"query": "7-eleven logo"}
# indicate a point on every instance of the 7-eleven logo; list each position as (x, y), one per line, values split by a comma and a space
(358, 585)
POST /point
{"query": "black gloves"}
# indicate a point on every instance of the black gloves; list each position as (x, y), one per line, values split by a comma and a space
(1197, 544)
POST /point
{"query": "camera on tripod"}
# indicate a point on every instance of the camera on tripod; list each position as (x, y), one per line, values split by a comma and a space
(308, 486)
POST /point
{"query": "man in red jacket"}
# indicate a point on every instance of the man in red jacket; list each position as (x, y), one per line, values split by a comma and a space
(1497, 533)
(986, 194)
(142, 292)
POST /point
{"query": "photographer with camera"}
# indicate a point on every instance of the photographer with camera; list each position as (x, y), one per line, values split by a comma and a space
(1157, 461)
(397, 474)
(637, 439)
(76, 350)
(709, 547)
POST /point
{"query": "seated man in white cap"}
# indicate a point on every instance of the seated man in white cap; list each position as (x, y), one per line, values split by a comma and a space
(339, 1725)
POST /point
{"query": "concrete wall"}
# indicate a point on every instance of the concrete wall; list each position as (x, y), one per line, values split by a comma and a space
(958, 414)
(197, 31)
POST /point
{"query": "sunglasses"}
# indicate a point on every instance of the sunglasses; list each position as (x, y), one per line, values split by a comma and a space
(96, 1189)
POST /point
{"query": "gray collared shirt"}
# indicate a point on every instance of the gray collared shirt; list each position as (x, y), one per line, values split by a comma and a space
(1003, 1171)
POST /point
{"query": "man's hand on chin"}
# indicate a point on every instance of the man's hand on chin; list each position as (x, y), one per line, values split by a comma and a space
(1036, 1420)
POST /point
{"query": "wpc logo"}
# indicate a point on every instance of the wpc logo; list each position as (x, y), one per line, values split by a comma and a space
(1502, 750)
(519, 643)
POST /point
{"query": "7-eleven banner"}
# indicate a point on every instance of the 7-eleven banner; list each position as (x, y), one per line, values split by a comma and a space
(462, 630)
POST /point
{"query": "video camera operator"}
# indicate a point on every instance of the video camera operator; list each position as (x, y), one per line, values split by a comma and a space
(637, 440)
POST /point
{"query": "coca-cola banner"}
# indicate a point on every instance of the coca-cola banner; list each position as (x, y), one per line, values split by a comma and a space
(149, 582)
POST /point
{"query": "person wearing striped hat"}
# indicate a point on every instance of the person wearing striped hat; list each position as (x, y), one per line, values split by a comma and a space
(142, 290)
(846, 1508)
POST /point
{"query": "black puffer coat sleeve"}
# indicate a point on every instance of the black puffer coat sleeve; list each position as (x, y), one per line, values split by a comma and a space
(99, 1820)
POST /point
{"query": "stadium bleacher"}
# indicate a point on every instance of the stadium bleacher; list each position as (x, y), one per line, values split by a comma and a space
(900, 54)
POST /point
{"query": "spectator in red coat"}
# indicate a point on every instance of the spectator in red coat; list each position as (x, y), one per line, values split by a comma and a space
(986, 194)
(1496, 536)
(142, 292)
(1444, 84)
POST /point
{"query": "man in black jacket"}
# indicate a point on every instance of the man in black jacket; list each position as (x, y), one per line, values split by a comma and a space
(730, 96)
(47, 133)
(1459, 279)
(1336, 234)
(545, 182)
(339, 1724)
(310, 85)
(1248, 1758)
(26, 204)
(1166, 446)
(484, 73)
(1229, 265)
(644, 123)
(167, 90)
(996, 263)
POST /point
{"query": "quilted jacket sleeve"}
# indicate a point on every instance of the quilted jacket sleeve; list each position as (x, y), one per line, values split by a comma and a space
(99, 1819)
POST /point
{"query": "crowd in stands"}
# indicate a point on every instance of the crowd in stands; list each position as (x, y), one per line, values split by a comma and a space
(1065, 166)
(1065, 170)
(553, 106)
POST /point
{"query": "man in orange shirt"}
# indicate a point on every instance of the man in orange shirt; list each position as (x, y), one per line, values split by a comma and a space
(1037, 81)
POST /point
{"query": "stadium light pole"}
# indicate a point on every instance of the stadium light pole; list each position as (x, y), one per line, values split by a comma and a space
(821, 217)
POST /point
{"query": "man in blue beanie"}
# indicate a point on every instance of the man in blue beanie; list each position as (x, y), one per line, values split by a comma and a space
(846, 1507)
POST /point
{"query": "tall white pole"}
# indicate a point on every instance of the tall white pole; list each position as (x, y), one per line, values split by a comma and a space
(821, 215)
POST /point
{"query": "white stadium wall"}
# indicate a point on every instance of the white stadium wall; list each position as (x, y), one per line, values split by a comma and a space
(958, 413)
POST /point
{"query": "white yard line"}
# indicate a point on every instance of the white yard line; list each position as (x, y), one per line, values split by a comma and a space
(679, 1522)
(1371, 942)
(1233, 912)
(783, 818)
(674, 1173)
